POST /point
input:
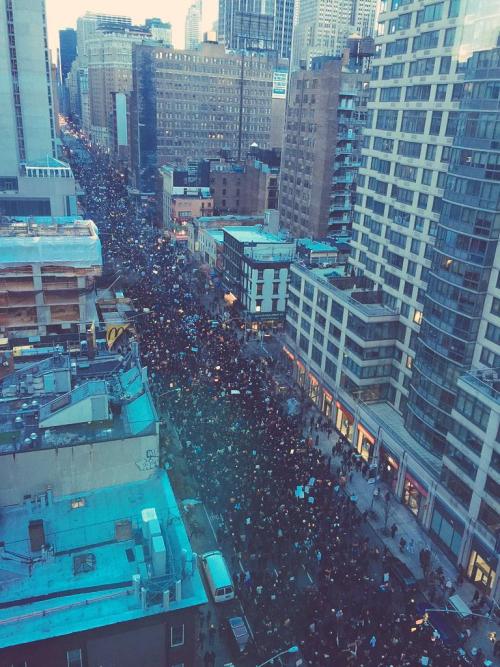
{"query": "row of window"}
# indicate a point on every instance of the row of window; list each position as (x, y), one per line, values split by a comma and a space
(419, 67)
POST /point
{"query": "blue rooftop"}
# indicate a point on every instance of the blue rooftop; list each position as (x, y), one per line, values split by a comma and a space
(99, 544)
(254, 234)
(316, 246)
(217, 234)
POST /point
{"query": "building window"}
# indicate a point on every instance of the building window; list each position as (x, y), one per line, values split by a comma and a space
(417, 317)
(177, 635)
(74, 657)
(77, 503)
(448, 531)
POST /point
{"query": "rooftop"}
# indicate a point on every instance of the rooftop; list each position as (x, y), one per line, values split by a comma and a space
(222, 220)
(216, 234)
(316, 246)
(190, 191)
(48, 161)
(46, 240)
(253, 234)
(74, 563)
(56, 402)
(348, 290)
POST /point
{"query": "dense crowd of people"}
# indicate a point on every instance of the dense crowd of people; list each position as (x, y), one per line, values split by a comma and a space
(306, 567)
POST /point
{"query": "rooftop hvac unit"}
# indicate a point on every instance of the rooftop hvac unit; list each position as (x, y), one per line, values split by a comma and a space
(158, 556)
(148, 514)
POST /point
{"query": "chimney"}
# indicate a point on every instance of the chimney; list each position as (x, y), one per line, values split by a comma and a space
(178, 591)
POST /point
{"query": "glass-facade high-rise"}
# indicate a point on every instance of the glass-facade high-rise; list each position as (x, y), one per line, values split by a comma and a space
(463, 258)
(257, 25)
(415, 92)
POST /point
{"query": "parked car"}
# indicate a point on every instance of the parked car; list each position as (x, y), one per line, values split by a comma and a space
(240, 637)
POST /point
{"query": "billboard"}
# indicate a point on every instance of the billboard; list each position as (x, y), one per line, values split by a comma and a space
(280, 80)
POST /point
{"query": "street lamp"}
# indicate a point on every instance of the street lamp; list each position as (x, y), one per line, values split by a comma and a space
(292, 649)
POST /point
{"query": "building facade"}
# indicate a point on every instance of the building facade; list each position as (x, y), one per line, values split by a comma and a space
(27, 122)
(324, 26)
(244, 189)
(228, 108)
(48, 268)
(401, 352)
(256, 265)
(325, 114)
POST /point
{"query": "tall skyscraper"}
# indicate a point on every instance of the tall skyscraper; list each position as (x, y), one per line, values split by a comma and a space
(27, 131)
(325, 114)
(416, 87)
(323, 27)
(192, 31)
(67, 50)
(257, 24)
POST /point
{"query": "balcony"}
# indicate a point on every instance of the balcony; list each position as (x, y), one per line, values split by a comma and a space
(486, 382)
(344, 150)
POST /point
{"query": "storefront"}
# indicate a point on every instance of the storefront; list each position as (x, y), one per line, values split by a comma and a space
(301, 374)
(415, 496)
(288, 359)
(313, 389)
(447, 529)
(388, 468)
(327, 407)
(365, 444)
(482, 567)
(344, 422)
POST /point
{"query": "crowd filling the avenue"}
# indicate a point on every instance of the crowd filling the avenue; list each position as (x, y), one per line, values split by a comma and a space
(307, 566)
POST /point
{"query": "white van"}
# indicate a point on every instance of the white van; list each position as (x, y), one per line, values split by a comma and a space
(218, 577)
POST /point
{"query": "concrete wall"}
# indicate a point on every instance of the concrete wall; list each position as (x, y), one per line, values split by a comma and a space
(79, 468)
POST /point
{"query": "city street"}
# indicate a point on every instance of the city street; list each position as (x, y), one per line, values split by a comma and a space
(309, 569)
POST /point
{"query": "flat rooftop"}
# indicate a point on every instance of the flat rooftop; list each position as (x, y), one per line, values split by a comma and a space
(95, 544)
(217, 234)
(48, 161)
(222, 220)
(316, 246)
(58, 402)
(45, 240)
(252, 234)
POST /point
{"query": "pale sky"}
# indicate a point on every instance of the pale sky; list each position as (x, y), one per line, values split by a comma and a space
(63, 14)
